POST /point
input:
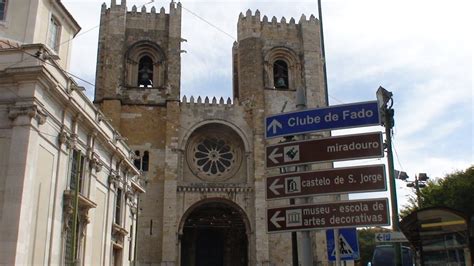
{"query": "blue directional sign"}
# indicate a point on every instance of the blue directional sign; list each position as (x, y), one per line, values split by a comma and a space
(348, 244)
(327, 118)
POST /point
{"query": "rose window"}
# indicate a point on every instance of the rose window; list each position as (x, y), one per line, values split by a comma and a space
(212, 157)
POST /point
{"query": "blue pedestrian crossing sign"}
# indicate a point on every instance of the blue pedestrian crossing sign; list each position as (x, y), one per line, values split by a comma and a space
(348, 244)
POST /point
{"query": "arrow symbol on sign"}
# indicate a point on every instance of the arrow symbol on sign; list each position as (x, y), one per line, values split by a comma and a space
(380, 237)
(275, 219)
(274, 187)
(274, 155)
(274, 125)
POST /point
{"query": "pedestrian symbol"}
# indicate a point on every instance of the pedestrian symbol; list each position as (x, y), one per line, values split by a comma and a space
(348, 244)
(344, 247)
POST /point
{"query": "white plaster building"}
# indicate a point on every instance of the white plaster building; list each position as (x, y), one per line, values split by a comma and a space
(60, 159)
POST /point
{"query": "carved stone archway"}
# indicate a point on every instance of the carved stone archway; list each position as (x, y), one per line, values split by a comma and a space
(214, 232)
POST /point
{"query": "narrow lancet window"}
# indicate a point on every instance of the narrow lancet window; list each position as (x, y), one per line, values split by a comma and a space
(145, 161)
(280, 74)
(145, 72)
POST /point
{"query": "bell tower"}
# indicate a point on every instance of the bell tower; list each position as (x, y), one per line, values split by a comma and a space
(274, 58)
(139, 59)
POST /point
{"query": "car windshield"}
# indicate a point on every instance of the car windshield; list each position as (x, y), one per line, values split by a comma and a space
(385, 255)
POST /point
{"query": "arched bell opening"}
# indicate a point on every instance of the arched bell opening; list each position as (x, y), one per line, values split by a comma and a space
(214, 233)
(280, 74)
(145, 72)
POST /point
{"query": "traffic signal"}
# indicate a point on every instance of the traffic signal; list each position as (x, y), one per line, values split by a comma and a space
(401, 175)
(422, 177)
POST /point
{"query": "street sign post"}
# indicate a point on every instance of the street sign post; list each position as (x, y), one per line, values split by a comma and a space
(390, 237)
(340, 180)
(320, 119)
(348, 244)
(348, 147)
(338, 214)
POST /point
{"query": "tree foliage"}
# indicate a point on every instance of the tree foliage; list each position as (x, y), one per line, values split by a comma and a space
(455, 190)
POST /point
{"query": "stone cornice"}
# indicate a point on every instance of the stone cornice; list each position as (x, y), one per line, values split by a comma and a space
(30, 110)
(209, 187)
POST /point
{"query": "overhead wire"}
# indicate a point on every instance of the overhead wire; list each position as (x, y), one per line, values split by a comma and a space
(209, 23)
(113, 18)
(186, 9)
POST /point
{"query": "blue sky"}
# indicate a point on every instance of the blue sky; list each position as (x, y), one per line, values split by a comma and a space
(420, 50)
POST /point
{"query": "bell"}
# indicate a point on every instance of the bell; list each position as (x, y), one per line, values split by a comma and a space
(280, 83)
(145, 75)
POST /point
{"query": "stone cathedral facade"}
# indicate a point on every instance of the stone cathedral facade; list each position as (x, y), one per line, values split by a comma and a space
(204, 159)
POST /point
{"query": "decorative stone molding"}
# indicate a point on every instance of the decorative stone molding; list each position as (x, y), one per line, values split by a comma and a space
(199, 188)
(100, 118)
(84, 220)
(118, 235)
(138, 185)
(118, 137)
(74, 87)
(95, 163)
(72, 143)
(134, 209)
(29, 110)
(63, 137)
(68, 212)
(84, 205)
(114, 180)
(129, 193)
(70, 140)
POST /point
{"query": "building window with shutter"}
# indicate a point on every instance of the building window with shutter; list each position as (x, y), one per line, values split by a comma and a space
(118, 207)
(3, 9)
(54, 34)
(72, 222)
(77, 172)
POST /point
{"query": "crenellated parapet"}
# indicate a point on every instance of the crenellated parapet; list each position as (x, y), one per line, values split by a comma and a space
(199, 102)
(142, 14)
(253, 25)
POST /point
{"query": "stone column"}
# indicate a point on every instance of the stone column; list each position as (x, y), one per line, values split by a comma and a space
(170, 218)
(17, 211)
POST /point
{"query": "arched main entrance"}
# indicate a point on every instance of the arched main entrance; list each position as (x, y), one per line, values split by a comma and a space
(214, 233)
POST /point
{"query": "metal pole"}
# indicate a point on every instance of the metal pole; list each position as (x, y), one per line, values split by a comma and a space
(306, 246)
(336, 241)
(337, 247)
(323, 51)
(417, 189)
(294, 242)
(391, 175)
(418, 198)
